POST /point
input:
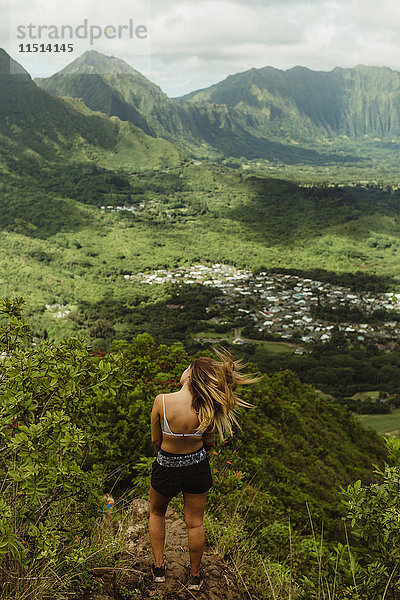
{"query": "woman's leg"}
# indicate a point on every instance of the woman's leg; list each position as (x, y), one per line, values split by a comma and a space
(158, 507)
(194, 505)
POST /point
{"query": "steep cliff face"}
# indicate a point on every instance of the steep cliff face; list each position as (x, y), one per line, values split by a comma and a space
(352, 102)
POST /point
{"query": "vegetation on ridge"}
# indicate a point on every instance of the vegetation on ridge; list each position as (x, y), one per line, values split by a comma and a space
(75, 424)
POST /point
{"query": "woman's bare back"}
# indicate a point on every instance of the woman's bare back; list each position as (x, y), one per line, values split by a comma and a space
(181, 418)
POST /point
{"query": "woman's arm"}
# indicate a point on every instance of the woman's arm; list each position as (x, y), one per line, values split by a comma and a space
(156, 433)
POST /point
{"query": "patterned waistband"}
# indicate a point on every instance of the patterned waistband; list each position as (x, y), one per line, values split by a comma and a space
(181, 460)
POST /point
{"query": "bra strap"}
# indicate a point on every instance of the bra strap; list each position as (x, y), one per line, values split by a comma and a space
(163, 401)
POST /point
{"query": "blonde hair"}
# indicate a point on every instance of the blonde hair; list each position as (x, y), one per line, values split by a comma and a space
(213, 383)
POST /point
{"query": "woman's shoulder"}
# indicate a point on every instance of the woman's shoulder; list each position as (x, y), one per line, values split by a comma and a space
(171, 396)
(176, 396)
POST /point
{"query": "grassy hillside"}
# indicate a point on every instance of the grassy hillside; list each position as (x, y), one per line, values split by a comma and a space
(388, 423)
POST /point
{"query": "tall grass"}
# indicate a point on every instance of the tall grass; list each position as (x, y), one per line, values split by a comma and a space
(71, 571)
(260, 577)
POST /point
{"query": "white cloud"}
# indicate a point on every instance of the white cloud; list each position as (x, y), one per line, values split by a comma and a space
(318, 34)
(98, 14)
(209, 25)
(194, 43)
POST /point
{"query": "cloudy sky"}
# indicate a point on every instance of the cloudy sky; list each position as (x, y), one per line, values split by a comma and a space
(191, 44)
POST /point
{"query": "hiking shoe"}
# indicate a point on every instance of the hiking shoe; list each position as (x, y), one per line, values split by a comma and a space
(158, 572)
(194, 582)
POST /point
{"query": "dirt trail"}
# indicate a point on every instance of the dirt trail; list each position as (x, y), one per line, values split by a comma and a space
(137, 584)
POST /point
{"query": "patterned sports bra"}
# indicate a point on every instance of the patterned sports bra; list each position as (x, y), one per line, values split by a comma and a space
(168, 429)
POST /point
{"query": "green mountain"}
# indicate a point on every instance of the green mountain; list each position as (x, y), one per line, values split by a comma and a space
(108, 84)
(111, 86)
(36, 124)
(96, 79)
(305, 103)
(41, 135)
(286, 116)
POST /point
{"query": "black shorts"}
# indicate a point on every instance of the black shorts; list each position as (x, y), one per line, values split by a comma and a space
(170, 480)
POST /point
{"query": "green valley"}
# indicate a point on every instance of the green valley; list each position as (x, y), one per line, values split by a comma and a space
(136, 232)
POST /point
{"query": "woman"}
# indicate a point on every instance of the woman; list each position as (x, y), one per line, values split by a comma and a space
(205, 403)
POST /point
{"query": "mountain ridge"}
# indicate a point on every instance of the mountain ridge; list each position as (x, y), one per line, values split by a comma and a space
(43, 125)
(342, 101)
(289, 116)
(11, 70)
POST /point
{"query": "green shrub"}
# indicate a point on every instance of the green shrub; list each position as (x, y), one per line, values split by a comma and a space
(50, 496)
(374, 514)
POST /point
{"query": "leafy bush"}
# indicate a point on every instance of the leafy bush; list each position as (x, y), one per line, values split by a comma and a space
(50, 497)
(374, 514)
